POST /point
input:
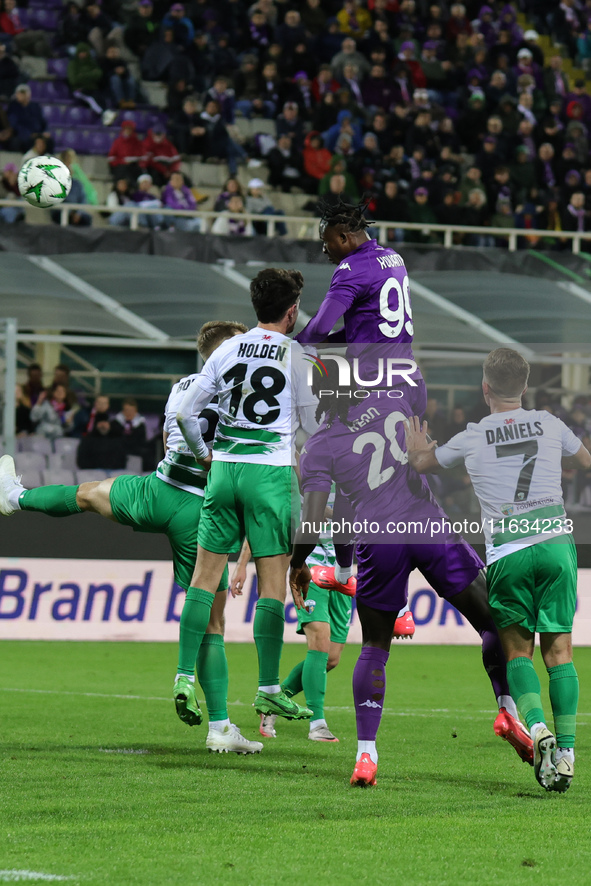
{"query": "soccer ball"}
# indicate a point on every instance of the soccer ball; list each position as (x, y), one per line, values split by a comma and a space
(44, 181)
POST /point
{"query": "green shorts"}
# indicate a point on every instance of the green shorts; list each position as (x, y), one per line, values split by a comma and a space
(536, 587)
(247, 500)
(148, 504)
(324, 605)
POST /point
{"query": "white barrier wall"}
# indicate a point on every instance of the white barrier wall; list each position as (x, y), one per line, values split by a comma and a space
(138, 600)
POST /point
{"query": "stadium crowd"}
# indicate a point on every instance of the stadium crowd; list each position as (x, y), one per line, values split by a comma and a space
(443, 112)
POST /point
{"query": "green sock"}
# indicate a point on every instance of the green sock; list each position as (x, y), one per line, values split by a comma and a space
(314, 680)
(564, 698)
(212, 673)
(525, 689)
(55, 501)
(293, 682)
(194, 621)
(269, 619)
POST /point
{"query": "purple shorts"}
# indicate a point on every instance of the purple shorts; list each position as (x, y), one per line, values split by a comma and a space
(383, 571)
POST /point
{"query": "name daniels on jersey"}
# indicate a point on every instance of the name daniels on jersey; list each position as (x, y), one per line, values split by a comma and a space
(390, 261)
(517, 431)
(262, 351)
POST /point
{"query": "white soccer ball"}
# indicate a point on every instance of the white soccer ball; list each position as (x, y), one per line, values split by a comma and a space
(44, 181)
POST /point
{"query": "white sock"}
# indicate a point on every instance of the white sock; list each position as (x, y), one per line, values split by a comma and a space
(367, 747)
(343, 573)
(190, 678)
(14, 495)
(218, 725)
(565, 752)
(319, 722)
(403, 611)
(271, 690)
(505, 701)
(535, 728)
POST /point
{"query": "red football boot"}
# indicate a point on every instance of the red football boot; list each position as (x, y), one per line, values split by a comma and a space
(364, 774)
(324, 577)
(404, 627)
(516, 734)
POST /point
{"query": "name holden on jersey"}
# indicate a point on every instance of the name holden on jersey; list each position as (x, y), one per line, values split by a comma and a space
(269, 352)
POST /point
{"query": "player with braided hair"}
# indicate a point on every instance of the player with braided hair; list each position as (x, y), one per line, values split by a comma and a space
(344, 451)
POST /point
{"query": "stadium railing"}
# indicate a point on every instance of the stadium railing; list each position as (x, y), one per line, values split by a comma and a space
(307, 224)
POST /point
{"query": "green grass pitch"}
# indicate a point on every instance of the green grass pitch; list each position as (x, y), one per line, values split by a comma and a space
(101, 783)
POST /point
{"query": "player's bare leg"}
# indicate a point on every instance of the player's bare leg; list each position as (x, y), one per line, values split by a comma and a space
(268, 627)
(472, 603)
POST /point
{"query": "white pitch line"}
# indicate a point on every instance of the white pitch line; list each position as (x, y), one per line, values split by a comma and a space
(417, 712)
(15, 876)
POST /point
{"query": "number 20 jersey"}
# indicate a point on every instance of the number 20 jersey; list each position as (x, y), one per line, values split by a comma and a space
(261, 382)
(514, 462)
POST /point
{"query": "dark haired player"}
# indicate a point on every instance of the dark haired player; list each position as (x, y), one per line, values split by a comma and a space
(260, 382)
(168, 501)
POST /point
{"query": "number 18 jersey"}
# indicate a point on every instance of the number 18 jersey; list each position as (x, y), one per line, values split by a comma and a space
(261, 382)
(514, 462)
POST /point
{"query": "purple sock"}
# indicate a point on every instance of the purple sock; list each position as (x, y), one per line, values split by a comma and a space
(344, 555)
(493, 659)
(369, 688)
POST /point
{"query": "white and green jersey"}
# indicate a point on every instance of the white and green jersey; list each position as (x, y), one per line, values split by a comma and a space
(260, 379)
(179, 466)
(514, 462)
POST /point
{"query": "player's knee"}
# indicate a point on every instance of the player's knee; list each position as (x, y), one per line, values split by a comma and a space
(333, 661)
(85, 495)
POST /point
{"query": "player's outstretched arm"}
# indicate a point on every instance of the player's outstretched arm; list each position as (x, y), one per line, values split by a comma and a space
(306, 540)
(421, 450)
(319, 327)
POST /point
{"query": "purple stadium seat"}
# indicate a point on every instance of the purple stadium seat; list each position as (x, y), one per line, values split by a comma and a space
(71, 138)
(153, 119)
(44, 19)
(99, 140)
(54, 114)
(49, 90)
(58, 66)
(140, 118)
(77, 116)
(46, 4)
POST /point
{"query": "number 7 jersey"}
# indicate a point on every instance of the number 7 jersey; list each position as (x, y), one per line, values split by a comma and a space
(514, 461)
(261, 382)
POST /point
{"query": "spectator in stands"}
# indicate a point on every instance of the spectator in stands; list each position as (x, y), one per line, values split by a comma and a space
(76, 217)
(6, 131)
(132, 424)
(457, 423)
(323, 82)
(38, 148)
(26, 41)
(201, 57)
(392, 206)
(180, 24)
(575, 217)
(85, 78)
(142, 28)
(316, 161)
(347, 125)
(291, 32)
(284, 165)
(73, 28)
(289, 123)
(70, 158)
(99, 26)
(246, 82)
(9, 191)
(231, 221)
(187, 128)
(51, 414)
(164, 60)
(421, 213)
(474, 215)
(146, 197)
(217, 140)
(118, 80)
(9, 73)
(103, 447)
(176, 195)
(119, 196)
(349, 55)
(126, 155)
(33, 387)
(224, 96)
(26, 119)
(354, 20)
(259, 203)
(102, 403)
(161, 156)
(313, 18)
(338, 166)
(232, 188)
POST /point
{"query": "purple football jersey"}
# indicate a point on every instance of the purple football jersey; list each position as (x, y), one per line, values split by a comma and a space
(372, 284)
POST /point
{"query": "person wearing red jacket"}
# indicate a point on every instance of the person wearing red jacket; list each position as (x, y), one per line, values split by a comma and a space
(316, 159)
(323, 82)
(127, 155)
(161, 156)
